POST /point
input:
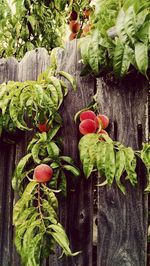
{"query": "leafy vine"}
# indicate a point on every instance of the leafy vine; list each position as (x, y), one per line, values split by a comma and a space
(41, 173)
(111, 159)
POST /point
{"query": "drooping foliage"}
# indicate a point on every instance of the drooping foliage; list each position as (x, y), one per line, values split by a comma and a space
(119, 39)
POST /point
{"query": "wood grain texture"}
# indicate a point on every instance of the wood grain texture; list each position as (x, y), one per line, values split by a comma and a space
(122, 220)
(76, 213)
(8, 71)
(33, 63)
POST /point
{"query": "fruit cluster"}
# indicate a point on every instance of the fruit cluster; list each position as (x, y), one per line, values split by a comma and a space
(92, 123)
(79, 25)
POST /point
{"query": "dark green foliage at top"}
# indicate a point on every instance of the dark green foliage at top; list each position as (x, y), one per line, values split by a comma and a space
(120, 38)
(32, 24)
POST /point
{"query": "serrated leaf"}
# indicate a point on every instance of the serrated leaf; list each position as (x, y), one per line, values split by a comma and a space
(51, 134)
(57, 85)
(18, 177)
(67, 159)
(110, 166)
(144, 32)
(51, 90)
(74, 170)
(63, 183)
(93, 53)
(120, 26)
(121, 60)
(130, 23)
(141, 57)
(120, 167)
(69, 77)
(61, 238)
(35, 152)
(84, 145)
(101, 154)
(52, 149)
(145, 154)
(130, 165)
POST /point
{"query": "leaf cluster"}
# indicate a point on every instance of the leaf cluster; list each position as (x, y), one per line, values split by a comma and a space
(112, 160)
(25, 104)
(37, 229)
(31, 24)
(45, 148)
(119, 40)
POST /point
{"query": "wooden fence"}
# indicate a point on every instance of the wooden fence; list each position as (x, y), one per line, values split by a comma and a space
(109, 228)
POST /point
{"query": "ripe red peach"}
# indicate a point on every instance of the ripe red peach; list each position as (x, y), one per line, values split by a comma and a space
(73, 15)
(42, 173)
(86, 12)
(74, 26)
(87, 126)
(103, 120)
(43, 127)
(87, 115)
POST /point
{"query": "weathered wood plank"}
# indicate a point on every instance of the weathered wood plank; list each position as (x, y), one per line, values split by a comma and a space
(76, 213)
(8, 71)
(33, 63)
(122, 220)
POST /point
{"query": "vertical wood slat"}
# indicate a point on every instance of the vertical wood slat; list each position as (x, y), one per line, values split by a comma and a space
(33, 63)
(8, 71)
(122, 220)
(77, 211)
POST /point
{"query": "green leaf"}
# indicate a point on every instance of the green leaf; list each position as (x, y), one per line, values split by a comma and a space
(141, 57)
(145, 154)
(74, 170)
(84, 145)
(18, 177)
(69, 77)
(51, 134)
(67, 159)
(110, 166)
(52, 149)
(93, 52)
(61, 238)
(130, 23)
(144, 33)
(56, 83)
(63, 183)
(101, 155)
(130, 165)
(120, 27)
(120, 167)
(51, 90)
(53, 57)
(121, 60)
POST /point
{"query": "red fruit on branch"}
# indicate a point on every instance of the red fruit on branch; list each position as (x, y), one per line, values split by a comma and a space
(74, 26)
(43, 127)
(87, 115)
(42, 173)
(73, 15)
(86, 13)
(102, 120)
(87, 126)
